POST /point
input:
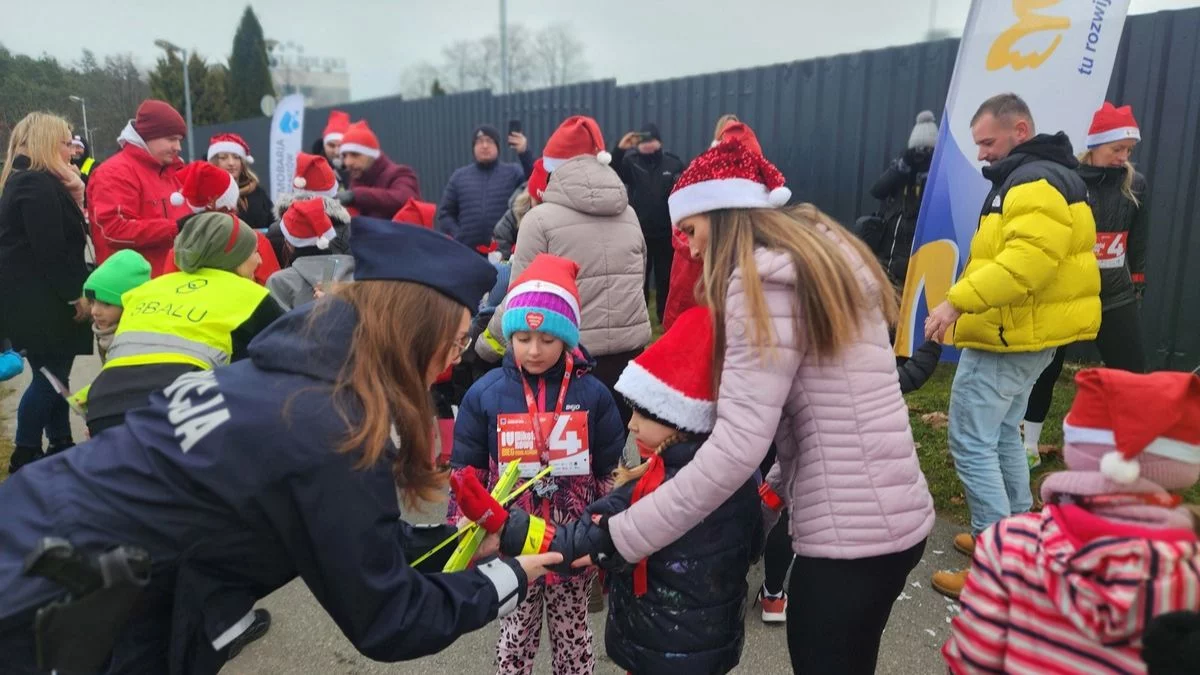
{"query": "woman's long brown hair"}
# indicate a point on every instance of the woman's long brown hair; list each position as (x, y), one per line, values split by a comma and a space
(830, 304)
(402, 329)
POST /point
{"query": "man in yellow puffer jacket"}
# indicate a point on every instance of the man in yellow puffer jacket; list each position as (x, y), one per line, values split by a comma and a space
(1031, 284)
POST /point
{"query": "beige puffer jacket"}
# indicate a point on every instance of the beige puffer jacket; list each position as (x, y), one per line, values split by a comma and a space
(585, 216)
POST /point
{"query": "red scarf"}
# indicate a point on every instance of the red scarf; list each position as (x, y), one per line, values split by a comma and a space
(656, 473)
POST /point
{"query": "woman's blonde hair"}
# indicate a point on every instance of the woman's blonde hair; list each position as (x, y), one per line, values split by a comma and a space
(1126, 185)
(721, 122)
(39, 136)
(521, 205)
(831, 303)
(403, 328)
(247, 180)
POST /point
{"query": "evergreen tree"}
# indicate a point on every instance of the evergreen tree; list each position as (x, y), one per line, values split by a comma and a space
(166, 80)
(436, 89)
(212, 106)
(249, 72)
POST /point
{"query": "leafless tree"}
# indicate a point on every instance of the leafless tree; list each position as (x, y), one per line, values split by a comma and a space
(559, 56)
(417, 81)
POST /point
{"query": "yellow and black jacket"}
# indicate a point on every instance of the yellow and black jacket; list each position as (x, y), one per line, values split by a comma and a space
(173, 324)
(1031, 281)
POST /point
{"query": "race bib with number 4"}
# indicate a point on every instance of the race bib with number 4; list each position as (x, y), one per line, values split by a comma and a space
(570, 452)
(1110, 249)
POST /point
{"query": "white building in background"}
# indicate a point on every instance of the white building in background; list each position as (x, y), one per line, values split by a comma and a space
(323, 81)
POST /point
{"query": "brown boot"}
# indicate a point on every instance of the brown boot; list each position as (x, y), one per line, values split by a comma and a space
(964, 542)
(950, 583)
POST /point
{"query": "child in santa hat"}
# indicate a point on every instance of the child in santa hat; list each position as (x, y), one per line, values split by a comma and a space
(681, 609)
(309, 234)
(314, 179)
(1073, 588)
(580, 434)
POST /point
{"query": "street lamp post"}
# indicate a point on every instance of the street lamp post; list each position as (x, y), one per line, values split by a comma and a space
(87, 134)
(187, 92)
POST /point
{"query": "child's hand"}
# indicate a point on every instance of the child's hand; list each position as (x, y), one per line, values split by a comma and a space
(476, 503)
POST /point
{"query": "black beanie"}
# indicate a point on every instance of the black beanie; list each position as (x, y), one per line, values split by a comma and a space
(650, 130)
(486, 130)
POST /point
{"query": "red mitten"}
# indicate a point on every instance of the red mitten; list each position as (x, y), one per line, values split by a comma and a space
(476, 503)
(770, 498)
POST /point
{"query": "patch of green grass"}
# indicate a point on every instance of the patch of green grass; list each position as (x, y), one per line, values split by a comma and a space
(934, 452)
(6, 444)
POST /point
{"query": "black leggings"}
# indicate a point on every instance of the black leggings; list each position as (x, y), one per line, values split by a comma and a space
(659, 256)
(839, 608)
(1120, 345)
(777, 555)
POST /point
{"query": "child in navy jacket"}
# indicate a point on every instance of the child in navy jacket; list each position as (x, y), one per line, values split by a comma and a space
(494, 424)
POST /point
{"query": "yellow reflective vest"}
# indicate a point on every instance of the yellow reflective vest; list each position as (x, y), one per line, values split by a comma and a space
(185, 318)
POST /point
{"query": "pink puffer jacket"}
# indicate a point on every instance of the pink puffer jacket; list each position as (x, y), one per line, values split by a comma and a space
(847, 464)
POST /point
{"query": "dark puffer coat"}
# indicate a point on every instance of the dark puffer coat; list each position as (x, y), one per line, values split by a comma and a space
(691, 618)
(477, 196)
(1115, 213)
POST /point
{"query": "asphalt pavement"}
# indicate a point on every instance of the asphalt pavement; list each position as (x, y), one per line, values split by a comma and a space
(303, 639)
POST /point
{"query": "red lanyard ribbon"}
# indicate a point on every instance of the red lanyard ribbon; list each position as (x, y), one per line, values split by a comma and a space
(537, 406)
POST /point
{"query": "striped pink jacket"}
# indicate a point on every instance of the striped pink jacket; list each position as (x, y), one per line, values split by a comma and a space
(1066, 591)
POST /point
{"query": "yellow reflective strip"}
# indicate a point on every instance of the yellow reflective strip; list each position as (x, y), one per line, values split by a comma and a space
(496, 345)
(156, 360)
(534, 537)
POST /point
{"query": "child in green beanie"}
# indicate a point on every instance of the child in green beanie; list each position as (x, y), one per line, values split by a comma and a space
(123, 271)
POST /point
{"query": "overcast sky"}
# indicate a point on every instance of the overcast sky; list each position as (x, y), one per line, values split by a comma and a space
(631, 40)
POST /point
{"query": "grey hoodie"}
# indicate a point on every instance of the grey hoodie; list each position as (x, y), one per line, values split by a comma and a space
(294, 286)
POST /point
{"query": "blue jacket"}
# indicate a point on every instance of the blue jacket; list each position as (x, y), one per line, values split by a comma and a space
(477, 196)
(500, 391)
(231, 481)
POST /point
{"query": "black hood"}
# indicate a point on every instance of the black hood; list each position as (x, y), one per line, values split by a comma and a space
(1053, 148)
(318, 349)
(1097, 175)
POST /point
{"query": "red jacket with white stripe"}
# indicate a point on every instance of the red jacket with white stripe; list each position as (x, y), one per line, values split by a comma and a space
(1067, 591)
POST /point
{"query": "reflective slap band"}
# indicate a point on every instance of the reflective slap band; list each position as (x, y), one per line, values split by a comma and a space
(770, 498)
(537, 537)
(492, 342)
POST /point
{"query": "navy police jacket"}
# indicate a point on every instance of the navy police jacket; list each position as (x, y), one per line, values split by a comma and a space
(231, 480)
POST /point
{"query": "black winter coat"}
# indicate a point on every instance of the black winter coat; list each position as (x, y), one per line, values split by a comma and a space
(900, 188)
(259, 212)
(691, 618)
(42, 240)
(1116, 213)
(649, 180)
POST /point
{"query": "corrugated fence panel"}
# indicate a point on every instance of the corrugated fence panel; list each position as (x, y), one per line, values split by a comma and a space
(832, 124)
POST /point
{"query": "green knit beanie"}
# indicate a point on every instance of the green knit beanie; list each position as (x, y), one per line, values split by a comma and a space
(123, 271)
(215, 240)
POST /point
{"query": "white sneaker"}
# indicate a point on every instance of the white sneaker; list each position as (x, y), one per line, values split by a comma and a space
(774, 610)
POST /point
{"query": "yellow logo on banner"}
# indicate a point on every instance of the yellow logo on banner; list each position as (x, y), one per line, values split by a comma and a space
(932, 268)
(1003, 52)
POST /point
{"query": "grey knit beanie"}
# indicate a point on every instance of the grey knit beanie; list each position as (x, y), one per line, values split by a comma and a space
(216, 240)
(925, 133)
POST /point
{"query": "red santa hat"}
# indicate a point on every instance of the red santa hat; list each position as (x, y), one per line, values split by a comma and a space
(305, 224)
(539, 178)
(1158, 414)
(206, 188)
(739, 131)
(731, 175)
(359, 138)
(230, 143)
(314, 175)
(1111, 124)
(578, 135)
(335, 128)
(672, 379)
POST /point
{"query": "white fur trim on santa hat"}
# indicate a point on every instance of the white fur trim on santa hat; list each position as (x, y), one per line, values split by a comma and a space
(665, 402)
(321, 242)
(229, 198)
(542, 286)
(230, 147)
(552, 163)
(360, 149)
(333, 136)
(1113, 135)
(726, 193)
(1163, 447)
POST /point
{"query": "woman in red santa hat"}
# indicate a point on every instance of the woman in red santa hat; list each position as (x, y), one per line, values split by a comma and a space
(1074, 587)
(1116, 194)
(231, 153)
(801, 354)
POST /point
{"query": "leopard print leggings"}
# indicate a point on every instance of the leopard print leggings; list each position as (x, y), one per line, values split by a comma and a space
(566, 613)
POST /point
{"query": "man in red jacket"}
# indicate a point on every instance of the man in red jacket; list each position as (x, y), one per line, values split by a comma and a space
(378, 186)
(129, 196)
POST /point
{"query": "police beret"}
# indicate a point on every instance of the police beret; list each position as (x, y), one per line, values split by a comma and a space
(384, 250)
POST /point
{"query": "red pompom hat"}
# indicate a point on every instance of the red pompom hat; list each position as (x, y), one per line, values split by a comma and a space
(731, 175)
(206, 188)
(578, 135)
(1164, 422)
(230, 143)
(314, 175)
(672, 379)
(1111, 124)
(305, 224)
(336, 127)
(359, 138)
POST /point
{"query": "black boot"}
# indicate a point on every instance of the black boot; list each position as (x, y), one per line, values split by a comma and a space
(58, 446)
(257, 629)
(22, 455)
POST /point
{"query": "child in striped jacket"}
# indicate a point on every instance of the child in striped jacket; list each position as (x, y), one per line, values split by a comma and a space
(1073, 588)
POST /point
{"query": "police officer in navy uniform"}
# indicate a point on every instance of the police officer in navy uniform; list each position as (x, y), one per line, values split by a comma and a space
(235, 481)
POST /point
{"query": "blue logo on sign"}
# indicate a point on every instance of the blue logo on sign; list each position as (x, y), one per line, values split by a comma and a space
(288, 123)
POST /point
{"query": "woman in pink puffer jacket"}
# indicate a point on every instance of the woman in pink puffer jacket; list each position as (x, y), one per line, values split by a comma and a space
(802, 357)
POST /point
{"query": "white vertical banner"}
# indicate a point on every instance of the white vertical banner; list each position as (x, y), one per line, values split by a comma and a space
(1057, 55)
(287, 127)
